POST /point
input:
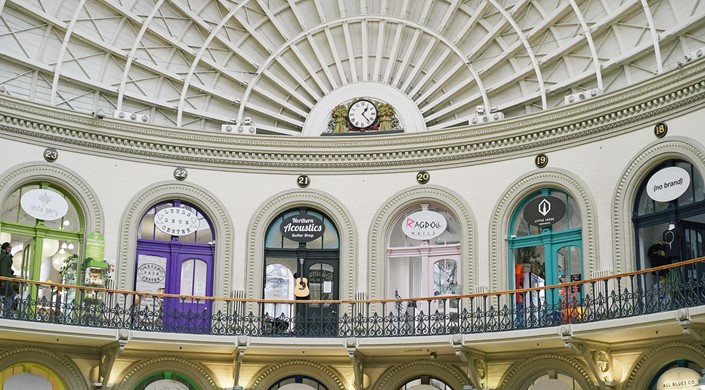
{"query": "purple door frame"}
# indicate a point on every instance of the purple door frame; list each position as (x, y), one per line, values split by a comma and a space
(183, 315)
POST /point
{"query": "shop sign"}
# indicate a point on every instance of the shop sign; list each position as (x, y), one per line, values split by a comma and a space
(679, 378)
(302, 227)
(544, 211)
(424, 225)
(668, 184)
(95, 246)
(44, 204)
(176, 221)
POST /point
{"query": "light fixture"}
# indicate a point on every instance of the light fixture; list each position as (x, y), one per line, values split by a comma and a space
(671, 226)
(64, 246)
(71, 246)
(67, 223)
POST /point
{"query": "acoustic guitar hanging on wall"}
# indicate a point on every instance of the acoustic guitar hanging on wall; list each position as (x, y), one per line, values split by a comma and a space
(301, 290)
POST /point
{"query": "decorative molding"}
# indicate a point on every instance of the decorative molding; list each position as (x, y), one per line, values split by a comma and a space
(201, 198)
(544, 178)
(315, 199)
(269, 375)
(602, 116)
(655, 358)
(626, 189)
(521, 372)
(389, 212)
(18, 175)
(61, 366)
(395, 377)
(136, 372)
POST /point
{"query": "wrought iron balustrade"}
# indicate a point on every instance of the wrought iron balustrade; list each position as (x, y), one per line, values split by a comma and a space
(620, 296)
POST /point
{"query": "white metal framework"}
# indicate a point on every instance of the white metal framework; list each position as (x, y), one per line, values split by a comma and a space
(197, 64)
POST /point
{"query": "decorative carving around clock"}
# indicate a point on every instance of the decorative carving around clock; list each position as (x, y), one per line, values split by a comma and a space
(362, 115)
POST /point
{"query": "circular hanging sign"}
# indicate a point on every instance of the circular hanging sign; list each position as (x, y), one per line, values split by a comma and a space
(678, 378)
(668, 184)
(176, 221)
(44, 204)
(544, 211)
(302, 227)
(424, 225)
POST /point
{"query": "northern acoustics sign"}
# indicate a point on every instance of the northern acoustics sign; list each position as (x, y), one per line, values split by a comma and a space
(302, 227)
(544, 211)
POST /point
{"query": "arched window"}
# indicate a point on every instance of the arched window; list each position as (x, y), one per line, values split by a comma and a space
(298, 382)
(29, 375)
(166, 380)
(175, 255)
(44, 225)
(669, 215)
(426, 382)
(423, 253)
(302, 260)
(545, 242)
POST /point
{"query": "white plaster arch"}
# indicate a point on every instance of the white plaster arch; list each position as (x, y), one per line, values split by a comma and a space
(499, 224)
(414, 196)
(201, 375)
(269, 375)
(518, 374)
(395, 377)
(18, 175)
(683, 148)
(286, 200)
(651, 361)
(193, 194)
(64, 368)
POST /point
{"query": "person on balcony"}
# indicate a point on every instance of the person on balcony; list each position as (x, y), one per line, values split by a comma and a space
(7, 290)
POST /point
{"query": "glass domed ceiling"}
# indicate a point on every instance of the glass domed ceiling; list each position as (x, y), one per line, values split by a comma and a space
(198, 64)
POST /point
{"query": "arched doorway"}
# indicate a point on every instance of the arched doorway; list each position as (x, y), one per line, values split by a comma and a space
(302, 259)
(545, 245)
(175, 255)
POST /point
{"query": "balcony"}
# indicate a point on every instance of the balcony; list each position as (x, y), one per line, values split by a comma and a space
(655, 290)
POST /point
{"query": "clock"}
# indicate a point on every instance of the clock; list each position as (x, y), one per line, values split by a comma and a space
(362, 114)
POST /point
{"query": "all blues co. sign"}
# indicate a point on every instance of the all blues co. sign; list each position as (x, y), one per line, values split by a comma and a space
(544, 211)
(424, 225)
(302, 227)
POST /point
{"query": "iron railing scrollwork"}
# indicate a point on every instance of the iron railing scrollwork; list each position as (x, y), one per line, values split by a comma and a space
(620, 296)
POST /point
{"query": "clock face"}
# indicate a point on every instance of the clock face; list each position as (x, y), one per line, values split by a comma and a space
(362, 114)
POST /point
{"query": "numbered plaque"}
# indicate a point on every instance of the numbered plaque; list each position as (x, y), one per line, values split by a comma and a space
(541, 160)
(51, 154)
(180, 173)
(303, 181)
(423, 177)
(660, 130)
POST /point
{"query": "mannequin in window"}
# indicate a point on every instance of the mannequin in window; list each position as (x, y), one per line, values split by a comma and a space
(657, 254)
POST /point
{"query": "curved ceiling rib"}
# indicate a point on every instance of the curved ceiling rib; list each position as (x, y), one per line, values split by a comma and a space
(198, 64)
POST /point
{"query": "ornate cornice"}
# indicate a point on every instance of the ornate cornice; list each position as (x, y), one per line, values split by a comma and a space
(395, 377)
(270, 374)
(518, 373)
(194, 371)
(63, 367)
(602, 116)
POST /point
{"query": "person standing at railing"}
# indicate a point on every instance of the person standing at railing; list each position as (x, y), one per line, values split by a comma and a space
(7, 290)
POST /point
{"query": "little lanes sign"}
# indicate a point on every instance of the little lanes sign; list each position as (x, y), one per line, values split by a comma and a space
(424, 225)
(544, 211)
